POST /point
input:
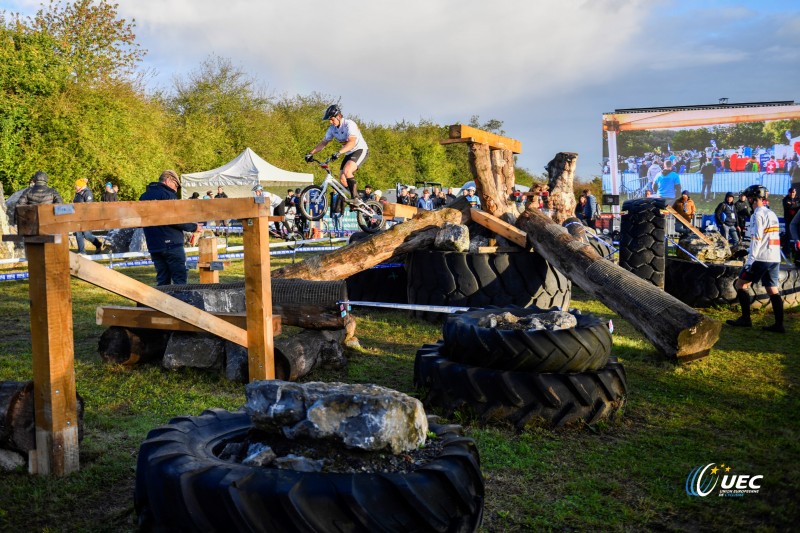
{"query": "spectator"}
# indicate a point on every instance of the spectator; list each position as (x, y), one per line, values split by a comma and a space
(791, 205)
(652, 174)
(379, 197)
(403, 198)
(707, 170)
(426, 202)
(752, 165)
(591, 210)
(580, 210)
(771, 165)
(195, 196)
(278, 211)
(668, 184)
(685, 207)
(221, 194)
(725, 218)
(337, 212)
(472, 198)
(763, 261)
(743, 212)
(83, 194)
(38, 193)
(165, 243)
(109, 194)
(368, 195)
(450, 197)
(439, 200)
(413, 197)
(207, 195)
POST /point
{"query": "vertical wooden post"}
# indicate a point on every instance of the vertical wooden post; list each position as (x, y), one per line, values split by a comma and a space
(208, 253)
(53, 358)
(258, 298)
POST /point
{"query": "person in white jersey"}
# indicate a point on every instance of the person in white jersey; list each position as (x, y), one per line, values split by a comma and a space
(354, 147)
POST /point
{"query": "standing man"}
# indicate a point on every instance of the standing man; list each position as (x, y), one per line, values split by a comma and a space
(39, 193)
(368, 194)
(590, 210)
(221, 194)
(426, 202)
(354, 147)
(165, 243)
(707, 170)
(791, 206)
(725, 219)
(403, 199)
(668, 184)
(109, 194)
(763, 260)
(84, 194)
(743, 212)
(685, 207)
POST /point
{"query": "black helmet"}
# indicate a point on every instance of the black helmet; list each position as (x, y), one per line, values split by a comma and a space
(755, 191)
(332, 111)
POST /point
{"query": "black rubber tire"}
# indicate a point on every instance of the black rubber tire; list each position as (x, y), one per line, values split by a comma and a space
(479, 280)
(371, 224)
(182, 485)
(584, 347)
(381, 283)
(305, 200)
(642, 243)
(698, 286)
(520, 398)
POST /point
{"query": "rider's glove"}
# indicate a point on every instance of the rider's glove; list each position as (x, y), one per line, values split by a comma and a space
(309, 157)
(335, 156)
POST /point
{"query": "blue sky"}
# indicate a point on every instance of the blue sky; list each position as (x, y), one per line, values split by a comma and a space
(548, 69)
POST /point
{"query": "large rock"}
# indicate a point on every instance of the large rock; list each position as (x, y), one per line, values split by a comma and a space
(195, 350)
(718, 252)
(452, 238)
(11, 460)
(367, 417)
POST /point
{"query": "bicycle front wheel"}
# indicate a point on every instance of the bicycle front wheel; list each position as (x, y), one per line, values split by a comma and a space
(313, 204)
(372, 221)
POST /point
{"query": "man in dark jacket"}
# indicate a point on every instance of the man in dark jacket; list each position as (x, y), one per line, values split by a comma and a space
(109, 194)
(725, 218)
(83, 194)
(743, 212)
(165, 243)
(39, 193)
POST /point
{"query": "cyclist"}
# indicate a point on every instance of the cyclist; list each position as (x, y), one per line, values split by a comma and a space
(354, 147)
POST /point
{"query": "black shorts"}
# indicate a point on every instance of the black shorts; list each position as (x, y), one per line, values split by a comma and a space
(767, 273)
(358, 157)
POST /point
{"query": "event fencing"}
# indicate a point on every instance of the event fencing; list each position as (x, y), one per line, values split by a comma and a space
(722, 182)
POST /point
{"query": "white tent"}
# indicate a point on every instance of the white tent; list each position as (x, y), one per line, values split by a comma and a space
(240, 176)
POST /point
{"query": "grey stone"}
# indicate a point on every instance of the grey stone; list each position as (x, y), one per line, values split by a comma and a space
(11, 460)
(259, 454)
(549, 320)
(367, 417)
(452, 238)
(195, 350)
(236, 363)
(216, 300)
(299, 463)
(718, 252)
(231, 451)
(476, 242)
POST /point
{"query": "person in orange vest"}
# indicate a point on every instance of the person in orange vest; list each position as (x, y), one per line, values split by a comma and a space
(685, 207)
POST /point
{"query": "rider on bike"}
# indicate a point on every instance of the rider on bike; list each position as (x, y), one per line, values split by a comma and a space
(354, 147)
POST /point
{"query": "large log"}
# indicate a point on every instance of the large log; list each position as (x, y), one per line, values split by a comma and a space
(418, 232)
(560, 173)
(493, 200)
(675, 329)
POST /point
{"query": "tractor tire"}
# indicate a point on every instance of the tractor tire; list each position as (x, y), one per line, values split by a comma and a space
(698, 286)
(479, 280)
(182, 485)
(520, 398)
(386, 282)
(584, 347)
(642, 243)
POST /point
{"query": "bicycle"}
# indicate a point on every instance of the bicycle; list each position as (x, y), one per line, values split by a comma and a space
(314, 204)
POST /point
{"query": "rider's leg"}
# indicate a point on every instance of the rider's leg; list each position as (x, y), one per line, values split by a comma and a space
(347, 177)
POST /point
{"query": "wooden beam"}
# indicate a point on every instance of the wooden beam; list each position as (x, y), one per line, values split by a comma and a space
(65, 218)
(512, 233)
(462, 133)
(121, 284)
(689, 226)
(208, 253)
(654, 120)
(258, 298)
(53, 359)
(391, 210)
(144, 317)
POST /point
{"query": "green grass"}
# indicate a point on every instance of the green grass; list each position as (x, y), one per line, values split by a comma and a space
(739, 406)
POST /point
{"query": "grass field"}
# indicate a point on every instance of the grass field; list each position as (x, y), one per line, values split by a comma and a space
(739, 406)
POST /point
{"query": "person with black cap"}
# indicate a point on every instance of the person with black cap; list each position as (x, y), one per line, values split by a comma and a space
(725, 218)
(743, 212)
(685, 207)
(763, 261)
(39, 193)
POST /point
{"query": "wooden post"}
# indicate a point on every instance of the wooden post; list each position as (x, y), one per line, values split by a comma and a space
(258, 298)
(492, 201)
(208, 253)
(53, 358)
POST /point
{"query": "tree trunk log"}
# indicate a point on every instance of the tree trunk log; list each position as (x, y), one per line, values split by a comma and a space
(492, 200)
(402, 238)
(675, 329)
(308, 349)
(560, 173)
(504, 176)
(17, 423)
(130, 346)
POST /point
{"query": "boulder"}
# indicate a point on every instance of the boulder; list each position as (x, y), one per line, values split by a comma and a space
(719, 252)
(367, 417)
(11, 460)
(452, 238)
(195, 350)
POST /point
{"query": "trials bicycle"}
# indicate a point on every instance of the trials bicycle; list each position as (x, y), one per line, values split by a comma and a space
(314, 204)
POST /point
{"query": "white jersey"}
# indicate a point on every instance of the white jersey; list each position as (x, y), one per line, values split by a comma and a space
(346, 129)
(765, 240)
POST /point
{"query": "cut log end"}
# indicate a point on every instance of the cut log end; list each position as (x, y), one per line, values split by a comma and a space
(695, 342)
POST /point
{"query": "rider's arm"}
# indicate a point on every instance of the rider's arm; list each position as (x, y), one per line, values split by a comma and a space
(323, 143)
(349, 145)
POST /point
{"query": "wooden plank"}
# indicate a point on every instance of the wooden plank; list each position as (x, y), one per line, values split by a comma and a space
(689, 226)
(399, 210)
(258, 298)
(498, 249)
(52, 346)
(32, 238)
(469, 134)
(208, 253)
(512, 233)
(42, 219)
(121, 284)
(144, 317)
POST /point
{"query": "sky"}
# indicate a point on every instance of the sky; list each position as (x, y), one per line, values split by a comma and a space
(548, 69)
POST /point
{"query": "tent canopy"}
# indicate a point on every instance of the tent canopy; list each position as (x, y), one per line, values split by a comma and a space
(240, 176)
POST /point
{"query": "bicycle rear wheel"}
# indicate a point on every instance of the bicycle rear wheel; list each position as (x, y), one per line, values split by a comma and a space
(313, 203)
(371, 223)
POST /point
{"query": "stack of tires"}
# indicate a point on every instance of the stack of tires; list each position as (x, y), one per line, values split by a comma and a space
(642, 241)
(524, 377)
(386, 282)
